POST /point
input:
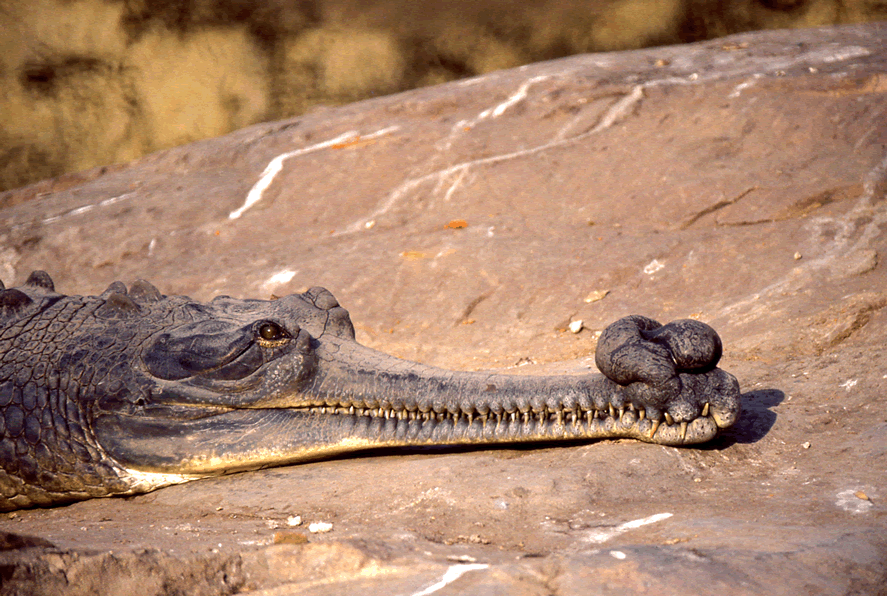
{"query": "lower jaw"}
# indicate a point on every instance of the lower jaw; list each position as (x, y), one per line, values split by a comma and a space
(519, 428)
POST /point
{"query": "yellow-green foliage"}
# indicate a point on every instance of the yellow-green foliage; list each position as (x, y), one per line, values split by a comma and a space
(205, 84)
(36, 29)
(475, 48)
(76, 92)
(91, 82)
(637, 23)
(63, 101)
(338, 64)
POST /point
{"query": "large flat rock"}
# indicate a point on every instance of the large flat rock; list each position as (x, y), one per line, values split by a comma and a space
(740, 181)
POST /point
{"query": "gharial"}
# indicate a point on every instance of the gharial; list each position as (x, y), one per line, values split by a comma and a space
(130, 390)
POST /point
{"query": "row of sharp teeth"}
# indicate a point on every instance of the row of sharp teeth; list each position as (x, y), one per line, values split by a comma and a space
(560, 416)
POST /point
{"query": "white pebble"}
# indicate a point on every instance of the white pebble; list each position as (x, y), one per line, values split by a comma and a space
(653, 266)
(595, 296)
(320, 527)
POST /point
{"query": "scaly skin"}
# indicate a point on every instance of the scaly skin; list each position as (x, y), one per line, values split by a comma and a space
(129, 391)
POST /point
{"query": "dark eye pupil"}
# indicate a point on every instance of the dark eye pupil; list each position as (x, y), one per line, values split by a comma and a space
(270, 331)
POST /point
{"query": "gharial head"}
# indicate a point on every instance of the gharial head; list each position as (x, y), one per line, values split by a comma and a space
(174, 344)
(126, 390)
(131, 390)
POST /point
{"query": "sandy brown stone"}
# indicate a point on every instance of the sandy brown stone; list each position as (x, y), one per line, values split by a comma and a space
(740, 182)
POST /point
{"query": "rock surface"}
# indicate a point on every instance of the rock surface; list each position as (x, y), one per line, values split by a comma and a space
(741, 182)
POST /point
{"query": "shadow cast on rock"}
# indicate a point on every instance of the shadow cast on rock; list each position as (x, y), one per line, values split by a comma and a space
(755, 420)
(426, 450)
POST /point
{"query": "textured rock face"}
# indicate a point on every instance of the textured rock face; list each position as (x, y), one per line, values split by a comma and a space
(474, 225)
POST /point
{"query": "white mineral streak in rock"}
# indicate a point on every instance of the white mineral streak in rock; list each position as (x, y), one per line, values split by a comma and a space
(601, 536)
(615, 113)
(738, 89)
(620, 109)
(275, 165)
(451, 575)
(87, 208)
(845, 53)
(517, 97)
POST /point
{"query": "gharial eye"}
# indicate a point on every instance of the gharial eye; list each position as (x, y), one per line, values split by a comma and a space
(270, 331)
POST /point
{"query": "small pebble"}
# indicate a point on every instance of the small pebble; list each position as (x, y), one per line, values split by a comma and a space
(806, 445)
(798, 256)
(294, 520)
(595, 296)
(575, 326)
(320, 527)
(653, 266)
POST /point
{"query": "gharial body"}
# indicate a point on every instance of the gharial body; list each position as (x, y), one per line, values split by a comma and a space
(129, 391)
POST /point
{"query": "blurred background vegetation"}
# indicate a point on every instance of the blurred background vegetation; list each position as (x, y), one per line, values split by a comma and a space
(90, 82)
